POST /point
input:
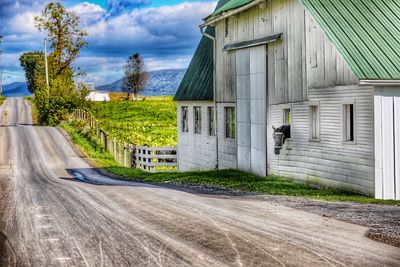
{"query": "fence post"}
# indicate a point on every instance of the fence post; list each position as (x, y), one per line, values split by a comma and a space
(105, 140)
(124, 155)
(115, 148)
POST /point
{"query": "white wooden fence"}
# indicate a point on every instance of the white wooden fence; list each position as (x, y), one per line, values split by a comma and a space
(150, 159)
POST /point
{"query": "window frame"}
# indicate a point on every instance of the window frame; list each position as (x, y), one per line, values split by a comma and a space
(211, 122)
(284, 121)
(316, 105)
(197, 125)
(184, 120)
(227, 27)
(230, 124)
(345, 122)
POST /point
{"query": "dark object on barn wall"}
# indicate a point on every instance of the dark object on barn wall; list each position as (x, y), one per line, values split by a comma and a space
(280, 135)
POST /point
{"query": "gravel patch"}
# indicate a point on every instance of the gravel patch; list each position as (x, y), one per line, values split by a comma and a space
(383, 221)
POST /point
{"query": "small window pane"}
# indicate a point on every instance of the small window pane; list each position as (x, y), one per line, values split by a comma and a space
(287, 117)
(197, 120)
(230, 122)
(185, 125)
(226, 27)
(314, 122)
(211, 121)
(348, 122)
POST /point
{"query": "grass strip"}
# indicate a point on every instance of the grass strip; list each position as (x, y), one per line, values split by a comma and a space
(231, 179)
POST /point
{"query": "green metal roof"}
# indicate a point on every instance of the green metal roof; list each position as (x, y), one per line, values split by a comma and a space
(197, 83)
(232, 4)
(366, 33)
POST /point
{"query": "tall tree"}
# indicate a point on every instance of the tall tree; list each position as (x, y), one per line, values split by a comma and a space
(63, 31)
(33, 65)
(136, 77)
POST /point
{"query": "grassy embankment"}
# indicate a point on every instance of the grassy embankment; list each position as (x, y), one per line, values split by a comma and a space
(130, 115)
(35, 114)
(2, 98)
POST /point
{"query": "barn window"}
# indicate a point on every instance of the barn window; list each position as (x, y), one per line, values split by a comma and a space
(211, 121)
(348, 122)
(314, 122)
(184, 111)
(230, 122)
(287, 116)
(197, 120)
(226, 27)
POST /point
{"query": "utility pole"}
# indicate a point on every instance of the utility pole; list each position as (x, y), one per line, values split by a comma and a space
(47, 68)
(1, 69)
(1, 81)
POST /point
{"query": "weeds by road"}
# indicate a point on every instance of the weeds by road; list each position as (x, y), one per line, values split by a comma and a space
(229, 179)
(35, 112)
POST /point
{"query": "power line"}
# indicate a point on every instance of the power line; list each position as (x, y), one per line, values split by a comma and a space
(13, 74)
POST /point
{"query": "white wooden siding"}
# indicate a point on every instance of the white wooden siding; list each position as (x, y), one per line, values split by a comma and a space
(387, 142)
(196, 152)
(330, 161)
(227, 148)
(303, 59)
(251, 109)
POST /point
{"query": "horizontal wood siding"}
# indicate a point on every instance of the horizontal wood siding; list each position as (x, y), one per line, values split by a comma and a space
(196, 152)
(330, 161)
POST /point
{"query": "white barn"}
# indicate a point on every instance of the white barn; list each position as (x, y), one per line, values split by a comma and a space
(98, 97)
(329, 69)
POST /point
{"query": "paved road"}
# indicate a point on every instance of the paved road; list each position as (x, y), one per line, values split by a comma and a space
(52, 219)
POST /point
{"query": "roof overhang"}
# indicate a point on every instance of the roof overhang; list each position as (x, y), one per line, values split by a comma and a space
(212, 20)
(379, 82)
(254, 42)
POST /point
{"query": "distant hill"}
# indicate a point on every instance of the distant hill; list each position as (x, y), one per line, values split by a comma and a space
(16, 89)
(161, 83)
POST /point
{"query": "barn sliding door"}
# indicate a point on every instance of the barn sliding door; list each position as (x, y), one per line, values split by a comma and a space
(387, 143)
(251, 109)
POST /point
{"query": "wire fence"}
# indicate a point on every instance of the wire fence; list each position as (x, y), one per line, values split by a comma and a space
(150, 159)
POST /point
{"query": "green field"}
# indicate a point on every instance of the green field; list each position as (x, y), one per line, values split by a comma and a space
(149, 122)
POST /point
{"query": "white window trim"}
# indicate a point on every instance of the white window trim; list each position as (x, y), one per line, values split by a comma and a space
(284, 107)
(194, 120)
(224, 113)
(187, 119)
(313, 104)
(287, 106)
(208, 121)
(343, 103)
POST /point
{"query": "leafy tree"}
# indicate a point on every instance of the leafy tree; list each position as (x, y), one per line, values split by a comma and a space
(33, 65)
(135, 75)
(63, 31)
(61, 98)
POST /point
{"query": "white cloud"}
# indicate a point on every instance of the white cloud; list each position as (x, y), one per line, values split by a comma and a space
(165, 36)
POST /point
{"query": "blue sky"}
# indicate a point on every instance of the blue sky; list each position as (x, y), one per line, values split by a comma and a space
(165, 32)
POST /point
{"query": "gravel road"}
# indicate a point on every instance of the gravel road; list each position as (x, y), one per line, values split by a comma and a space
(52, 219)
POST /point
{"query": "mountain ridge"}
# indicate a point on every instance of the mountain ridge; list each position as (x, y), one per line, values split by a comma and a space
(161, 83)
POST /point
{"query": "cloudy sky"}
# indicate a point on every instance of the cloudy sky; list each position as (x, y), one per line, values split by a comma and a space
(165, 32)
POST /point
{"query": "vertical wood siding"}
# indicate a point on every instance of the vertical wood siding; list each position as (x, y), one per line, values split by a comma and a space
(387, 142)
(303, 59)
